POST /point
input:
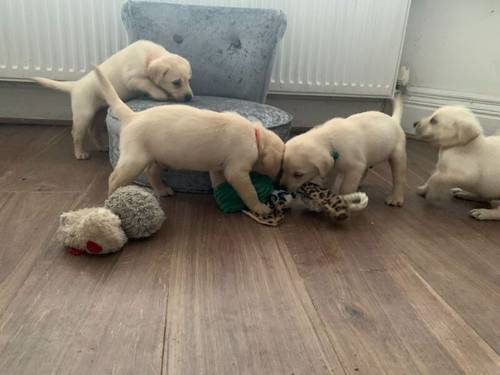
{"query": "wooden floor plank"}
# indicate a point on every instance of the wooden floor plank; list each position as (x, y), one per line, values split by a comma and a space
(81, 315)
(361, 331)
(392, 291)
(454, 253)
(28, 224)
(23, 142)
(50, 164)
(231, 308)
(359, 280)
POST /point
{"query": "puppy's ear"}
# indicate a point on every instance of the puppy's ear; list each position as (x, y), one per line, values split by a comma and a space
(157, 70)
(466, 131)
(324, 162)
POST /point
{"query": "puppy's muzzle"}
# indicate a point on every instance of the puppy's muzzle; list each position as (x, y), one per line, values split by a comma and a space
(416, 123)
(188, 97)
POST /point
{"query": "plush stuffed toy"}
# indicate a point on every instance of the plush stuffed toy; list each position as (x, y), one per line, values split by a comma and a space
(130, 212)
(314, 198)
(310, 195)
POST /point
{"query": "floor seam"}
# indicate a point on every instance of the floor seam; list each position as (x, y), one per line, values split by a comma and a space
(434, 292)
(302, 303)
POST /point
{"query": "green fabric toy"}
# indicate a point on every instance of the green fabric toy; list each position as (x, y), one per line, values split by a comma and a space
(228, 199)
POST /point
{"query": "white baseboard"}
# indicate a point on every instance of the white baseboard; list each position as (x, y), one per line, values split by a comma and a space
(421, 102)
(29, 102)
(309, 111)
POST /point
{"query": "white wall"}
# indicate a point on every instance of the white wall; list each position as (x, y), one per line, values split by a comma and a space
(453, 50)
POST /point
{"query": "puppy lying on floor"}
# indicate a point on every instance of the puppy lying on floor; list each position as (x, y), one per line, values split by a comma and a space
(469, 162)
(361, 141)
(142, 67)
(183, 137)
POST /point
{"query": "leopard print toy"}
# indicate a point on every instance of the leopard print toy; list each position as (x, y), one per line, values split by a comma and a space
(338, 207)
(314, 198)
(278, 201)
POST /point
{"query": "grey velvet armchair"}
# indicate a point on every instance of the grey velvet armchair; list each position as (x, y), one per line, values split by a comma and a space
(231, 51)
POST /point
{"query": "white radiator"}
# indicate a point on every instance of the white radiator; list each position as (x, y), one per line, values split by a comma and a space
(331, 47)
(58, 39)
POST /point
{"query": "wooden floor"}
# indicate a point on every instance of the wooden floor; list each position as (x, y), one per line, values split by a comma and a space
(393, 291)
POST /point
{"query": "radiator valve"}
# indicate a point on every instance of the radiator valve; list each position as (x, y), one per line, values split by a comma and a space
(403, 76)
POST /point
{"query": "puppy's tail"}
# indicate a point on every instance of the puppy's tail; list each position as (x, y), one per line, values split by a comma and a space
(65, 86)
(122, 111)
(397, 108)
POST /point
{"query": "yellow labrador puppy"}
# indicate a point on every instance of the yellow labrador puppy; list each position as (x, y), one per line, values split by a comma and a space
(142, 67)
(361, 140)
(469, 162)
(183, 137)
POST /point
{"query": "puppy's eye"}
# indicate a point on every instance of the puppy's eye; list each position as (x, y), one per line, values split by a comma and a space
(433, 120)
(177, 83)
(298, 174)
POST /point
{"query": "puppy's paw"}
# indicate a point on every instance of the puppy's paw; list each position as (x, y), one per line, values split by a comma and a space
(165, 191)
(422, 190)
(261, 209)
(458, 193)
(395, 200)
(82, 155)
(160, 96)
(484, 214)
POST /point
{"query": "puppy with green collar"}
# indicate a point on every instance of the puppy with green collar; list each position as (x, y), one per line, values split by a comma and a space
(361, 141)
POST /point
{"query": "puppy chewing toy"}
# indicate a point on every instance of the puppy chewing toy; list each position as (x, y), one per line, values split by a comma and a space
(310, 195)
(130, 212)
(314, 198)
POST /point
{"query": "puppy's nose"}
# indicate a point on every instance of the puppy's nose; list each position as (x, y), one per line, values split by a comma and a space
(188, 97)
(415, 124)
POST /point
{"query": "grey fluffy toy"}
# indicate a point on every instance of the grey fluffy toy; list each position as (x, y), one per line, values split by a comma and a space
(138, 209)
(130, 212)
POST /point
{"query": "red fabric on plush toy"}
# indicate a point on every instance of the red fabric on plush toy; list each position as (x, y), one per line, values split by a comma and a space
(91, 230)
(131, 211)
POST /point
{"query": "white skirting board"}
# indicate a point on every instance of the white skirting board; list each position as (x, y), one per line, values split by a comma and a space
(28, 102)
(420, 102)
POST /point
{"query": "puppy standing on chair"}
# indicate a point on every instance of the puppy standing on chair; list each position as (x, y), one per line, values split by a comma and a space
(468, 164)
(361, 141)
(184, 137)
(142, 67)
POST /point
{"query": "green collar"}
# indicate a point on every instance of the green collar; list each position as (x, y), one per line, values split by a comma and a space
(335, 155)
